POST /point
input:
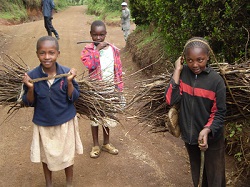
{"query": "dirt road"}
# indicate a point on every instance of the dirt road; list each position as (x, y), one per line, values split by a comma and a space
(144, 159)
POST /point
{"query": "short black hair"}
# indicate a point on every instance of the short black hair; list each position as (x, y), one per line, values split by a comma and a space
(46, 38)
(197, 42)
(97, 23)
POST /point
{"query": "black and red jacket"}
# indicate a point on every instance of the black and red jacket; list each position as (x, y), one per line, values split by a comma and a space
(202, 101)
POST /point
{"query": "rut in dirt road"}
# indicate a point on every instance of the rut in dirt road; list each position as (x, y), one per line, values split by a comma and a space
(144, 159)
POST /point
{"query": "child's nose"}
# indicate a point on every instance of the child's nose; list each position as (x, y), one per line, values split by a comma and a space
(195, 64)
(47, 55)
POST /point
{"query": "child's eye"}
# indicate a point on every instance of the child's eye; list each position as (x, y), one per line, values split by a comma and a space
(200, 60)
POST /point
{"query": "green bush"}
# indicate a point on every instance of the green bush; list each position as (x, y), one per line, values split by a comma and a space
(16, 9)
(13, 10)
(223, 23)
(103, 8)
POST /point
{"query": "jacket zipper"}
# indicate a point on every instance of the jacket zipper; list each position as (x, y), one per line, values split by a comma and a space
(192, 111)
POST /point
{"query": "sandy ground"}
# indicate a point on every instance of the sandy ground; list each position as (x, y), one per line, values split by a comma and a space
(144, 159)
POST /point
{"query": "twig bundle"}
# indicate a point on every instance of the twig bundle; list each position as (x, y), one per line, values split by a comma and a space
(150, 97)
(153, 108)
(97, 98)
(237, 79)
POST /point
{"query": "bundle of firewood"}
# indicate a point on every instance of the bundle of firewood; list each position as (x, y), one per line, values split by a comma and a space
(151, 105)
(149, 100)
(237, 81)
(97, 100)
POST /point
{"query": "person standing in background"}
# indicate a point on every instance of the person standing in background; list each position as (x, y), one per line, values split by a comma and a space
(125, 19)
(47, 8)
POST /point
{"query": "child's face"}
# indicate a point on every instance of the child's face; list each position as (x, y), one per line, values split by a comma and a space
(47, 53)
(98, 34)
(196, 59)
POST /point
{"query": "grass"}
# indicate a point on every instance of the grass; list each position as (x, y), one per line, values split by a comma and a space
(15, 10)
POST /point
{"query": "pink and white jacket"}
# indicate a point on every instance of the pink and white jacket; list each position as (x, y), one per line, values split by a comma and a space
(91, 60)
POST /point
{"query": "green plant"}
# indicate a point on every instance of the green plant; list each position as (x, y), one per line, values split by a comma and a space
(223, 23)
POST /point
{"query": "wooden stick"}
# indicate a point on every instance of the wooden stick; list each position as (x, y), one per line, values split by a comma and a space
(87, 41)
(201, 168)
(49, 77)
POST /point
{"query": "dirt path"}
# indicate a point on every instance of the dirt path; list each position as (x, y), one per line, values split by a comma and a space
(145, 159)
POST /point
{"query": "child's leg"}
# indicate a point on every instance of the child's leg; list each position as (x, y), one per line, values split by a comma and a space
(95, 152)
(105, 135)
(48, 175)
(94, 130)
(106, 145)
(69, 176)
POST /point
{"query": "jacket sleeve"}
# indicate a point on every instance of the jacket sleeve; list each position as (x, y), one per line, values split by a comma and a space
(218, 111)
(75, 93)
(24, 97)
(173, 93)
(118, 71)
(52, 4)
(125, 14)
(90, 58)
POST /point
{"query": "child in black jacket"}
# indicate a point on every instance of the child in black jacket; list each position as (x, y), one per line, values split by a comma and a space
(201, 94)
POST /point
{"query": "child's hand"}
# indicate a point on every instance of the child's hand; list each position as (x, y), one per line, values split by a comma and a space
(202, 139)
(101, 45)
(73, 73)
(179, 63)
(27, 81)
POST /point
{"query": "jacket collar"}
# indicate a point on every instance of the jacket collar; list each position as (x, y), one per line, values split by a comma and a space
(43, 74)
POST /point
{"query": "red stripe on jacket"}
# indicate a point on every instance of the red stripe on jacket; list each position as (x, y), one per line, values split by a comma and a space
(199, 92)
(169, 94)
(213, 111)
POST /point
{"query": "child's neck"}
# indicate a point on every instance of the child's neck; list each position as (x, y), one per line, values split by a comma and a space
(50, 72)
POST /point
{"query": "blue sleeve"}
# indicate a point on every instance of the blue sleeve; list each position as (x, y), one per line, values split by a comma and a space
(24, 97)
(76, 92)
(52, 4)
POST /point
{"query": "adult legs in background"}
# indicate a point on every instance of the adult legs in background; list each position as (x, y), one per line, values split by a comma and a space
(126, 33)
(49, 27)
(46, 25)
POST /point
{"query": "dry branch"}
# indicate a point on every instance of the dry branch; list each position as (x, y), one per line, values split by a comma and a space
(153, 109)
(97, 98)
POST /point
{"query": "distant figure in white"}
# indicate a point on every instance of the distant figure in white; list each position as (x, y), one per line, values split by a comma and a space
(125, 19)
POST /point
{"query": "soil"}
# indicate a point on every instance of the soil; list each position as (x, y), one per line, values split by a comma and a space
(144, 159)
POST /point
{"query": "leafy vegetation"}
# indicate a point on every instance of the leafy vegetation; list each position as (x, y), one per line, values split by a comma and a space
(15, 10)
(105, 9)
(224, 23)
(238, 138)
